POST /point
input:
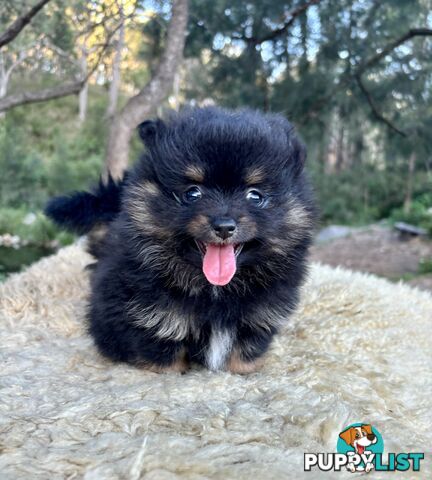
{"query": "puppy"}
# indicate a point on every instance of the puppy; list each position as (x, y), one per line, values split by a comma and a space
(204, 242)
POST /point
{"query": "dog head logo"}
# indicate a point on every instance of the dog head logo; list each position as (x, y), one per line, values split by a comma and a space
(359, 437)
(360, 442)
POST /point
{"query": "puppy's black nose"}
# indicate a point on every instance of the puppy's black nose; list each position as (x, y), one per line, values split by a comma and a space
(224, 227)
(371, 437)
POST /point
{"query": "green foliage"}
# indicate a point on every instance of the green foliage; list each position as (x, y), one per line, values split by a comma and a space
(44, 151)
(31, 228)
(25, 237)
(59, 28)
(425, 265)
(21, 169)
(73, 165)
(366, 194)
(236, 57)
(420, 212)
(307, 71)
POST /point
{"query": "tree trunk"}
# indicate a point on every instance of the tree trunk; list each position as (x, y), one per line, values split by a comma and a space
(5, 74)
(139, 107)
(340, 156)
(83, 103)
(304, 62)
(3, 81)
(83, 94)
(409, 185)
(116, 69)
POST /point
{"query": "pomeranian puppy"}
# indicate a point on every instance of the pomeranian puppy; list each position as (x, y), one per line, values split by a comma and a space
(204, 242)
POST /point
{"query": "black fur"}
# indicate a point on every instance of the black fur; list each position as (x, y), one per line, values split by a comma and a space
(151, 304)
(79, 212)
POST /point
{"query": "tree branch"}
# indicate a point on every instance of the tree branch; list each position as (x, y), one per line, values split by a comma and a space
(14, 30)
(23, 98)
(63, 90)
(357, 77)
(59, 51)
(413, 32)
(20, 59)
(377, 114)
(287, 24)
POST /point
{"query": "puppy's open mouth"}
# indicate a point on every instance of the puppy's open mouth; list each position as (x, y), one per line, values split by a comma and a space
(202, 247)
(219, 261)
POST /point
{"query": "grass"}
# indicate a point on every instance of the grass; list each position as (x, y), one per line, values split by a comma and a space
(425, 266)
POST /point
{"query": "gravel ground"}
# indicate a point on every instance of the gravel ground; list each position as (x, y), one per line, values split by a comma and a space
(378, 249)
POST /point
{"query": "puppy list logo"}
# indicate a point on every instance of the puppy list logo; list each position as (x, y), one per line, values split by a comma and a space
(360, 448)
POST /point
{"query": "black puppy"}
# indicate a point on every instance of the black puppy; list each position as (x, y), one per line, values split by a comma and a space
(205, 241)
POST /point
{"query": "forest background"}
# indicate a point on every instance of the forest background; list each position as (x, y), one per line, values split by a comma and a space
(355, 77)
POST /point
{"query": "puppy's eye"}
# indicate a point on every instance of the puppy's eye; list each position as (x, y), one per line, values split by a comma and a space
(255, 197)
(192, 194)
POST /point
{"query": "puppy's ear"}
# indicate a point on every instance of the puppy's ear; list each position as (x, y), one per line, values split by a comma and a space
(295, 147)
(298, 155)
(348, 435)
(149, 131)
(368, 428)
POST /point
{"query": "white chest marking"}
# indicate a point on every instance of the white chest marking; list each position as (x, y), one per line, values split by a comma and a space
(219, 347)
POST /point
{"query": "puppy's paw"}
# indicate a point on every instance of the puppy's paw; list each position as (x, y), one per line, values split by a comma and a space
(180, 365)
(237, 365)
(176, 367)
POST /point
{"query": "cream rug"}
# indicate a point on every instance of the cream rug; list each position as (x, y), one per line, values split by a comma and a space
(359, 350)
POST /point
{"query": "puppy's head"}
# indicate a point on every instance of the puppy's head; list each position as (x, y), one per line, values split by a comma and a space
(359, 437)
(223, 190)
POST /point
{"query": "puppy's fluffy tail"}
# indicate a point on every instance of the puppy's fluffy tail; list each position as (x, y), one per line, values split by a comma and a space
(79, 212)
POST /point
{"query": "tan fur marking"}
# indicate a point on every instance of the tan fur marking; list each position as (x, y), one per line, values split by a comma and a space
(98, 232)
(237, 365)
(248, 224)
(198, 225)
(138, 210)
(266, 318)
(254, 175)
(149, 188)
(180, 365)
(169, 323)
(96, 236)
(277, 248)
(297, 216)
(195, 173)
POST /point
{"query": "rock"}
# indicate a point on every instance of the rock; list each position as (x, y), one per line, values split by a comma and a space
(405, 229)
(29, 219)
(333, 231)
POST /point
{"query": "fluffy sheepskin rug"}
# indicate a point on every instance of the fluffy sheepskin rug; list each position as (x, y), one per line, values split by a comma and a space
(358, 350)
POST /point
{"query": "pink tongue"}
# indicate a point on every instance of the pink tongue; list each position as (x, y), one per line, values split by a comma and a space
(219, 265)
